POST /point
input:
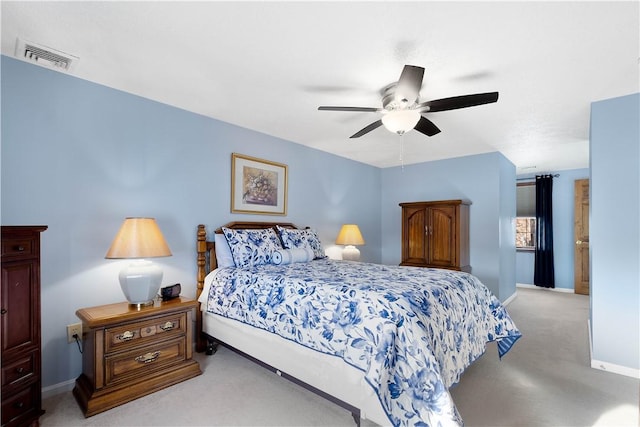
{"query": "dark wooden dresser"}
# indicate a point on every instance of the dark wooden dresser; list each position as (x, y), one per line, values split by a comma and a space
(20, 325)
(436, 234)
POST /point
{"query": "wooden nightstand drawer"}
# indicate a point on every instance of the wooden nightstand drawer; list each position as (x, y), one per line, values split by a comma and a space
(139, 333)
(21, 370)
(144, 360)
(17, 408)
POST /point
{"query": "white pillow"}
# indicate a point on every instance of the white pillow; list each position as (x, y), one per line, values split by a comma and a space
(223, 252)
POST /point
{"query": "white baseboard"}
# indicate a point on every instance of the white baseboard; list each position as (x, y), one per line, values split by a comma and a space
(590, 340)
(59, 388)
(527, 286)
(616, 369)
(510, 299)
(609, 367)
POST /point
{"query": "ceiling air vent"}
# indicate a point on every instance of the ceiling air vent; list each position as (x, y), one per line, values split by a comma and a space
(44, 56)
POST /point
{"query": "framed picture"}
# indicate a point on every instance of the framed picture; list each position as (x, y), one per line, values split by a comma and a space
(258, 186)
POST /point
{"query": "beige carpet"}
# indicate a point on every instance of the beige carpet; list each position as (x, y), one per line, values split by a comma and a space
(544, 381)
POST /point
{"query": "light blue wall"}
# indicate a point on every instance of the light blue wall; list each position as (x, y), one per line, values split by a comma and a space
(614, 231)
(563, 241)
(524, 267)
(479, 179)
(507, 237)
(80, 157)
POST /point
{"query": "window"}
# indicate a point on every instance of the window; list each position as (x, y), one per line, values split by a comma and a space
(526, 216)
(525, 232)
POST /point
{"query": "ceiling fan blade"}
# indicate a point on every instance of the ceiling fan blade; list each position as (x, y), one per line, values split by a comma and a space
(456, 102)
(409, 84)
(426, 127)
(367, 129)
(353, 109)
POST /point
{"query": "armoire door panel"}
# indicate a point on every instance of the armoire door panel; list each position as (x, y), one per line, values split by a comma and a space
(443, 236)
(416, 225)
(18, 299)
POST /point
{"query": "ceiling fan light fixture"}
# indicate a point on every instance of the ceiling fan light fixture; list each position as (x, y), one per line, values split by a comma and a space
(402, 110)
(400, 121)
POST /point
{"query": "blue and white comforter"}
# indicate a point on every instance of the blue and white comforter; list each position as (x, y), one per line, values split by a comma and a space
(411, 330)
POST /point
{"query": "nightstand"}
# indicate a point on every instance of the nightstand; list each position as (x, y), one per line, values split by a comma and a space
(130, 352)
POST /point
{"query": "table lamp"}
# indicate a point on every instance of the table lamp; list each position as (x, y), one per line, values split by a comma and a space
(139, 239)
(350, 236)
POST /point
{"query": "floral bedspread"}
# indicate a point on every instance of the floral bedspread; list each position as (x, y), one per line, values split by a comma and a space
(411, 330)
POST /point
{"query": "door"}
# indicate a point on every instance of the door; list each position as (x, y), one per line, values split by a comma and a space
(581, 236)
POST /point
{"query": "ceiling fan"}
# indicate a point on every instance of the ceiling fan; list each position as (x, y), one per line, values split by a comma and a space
(402, 110)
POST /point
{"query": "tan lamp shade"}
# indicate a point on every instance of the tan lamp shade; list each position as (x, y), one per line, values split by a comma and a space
(139, 238)
(350, 235)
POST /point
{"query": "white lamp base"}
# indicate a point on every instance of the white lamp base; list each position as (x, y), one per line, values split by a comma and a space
(350, 253)
(140, 281)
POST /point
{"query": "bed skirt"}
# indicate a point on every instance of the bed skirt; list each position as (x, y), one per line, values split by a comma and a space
(330, 375)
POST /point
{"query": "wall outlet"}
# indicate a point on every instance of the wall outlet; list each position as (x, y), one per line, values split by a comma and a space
(74, 329)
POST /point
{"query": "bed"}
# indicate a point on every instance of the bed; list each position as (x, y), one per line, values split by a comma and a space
(384, 342)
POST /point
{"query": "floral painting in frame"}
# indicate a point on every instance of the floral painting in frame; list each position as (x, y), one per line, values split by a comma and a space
(258, 186)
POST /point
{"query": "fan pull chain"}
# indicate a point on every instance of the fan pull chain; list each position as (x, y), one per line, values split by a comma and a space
(402, 152)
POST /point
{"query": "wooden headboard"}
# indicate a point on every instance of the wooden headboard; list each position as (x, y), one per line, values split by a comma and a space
(206, 260)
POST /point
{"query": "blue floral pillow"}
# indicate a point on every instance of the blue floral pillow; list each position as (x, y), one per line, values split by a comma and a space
(295, 239)
(252, 247)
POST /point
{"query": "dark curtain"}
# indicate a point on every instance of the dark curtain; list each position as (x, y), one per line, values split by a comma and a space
(544, 272)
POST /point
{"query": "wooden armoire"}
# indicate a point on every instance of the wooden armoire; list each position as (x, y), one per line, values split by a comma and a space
(436, 234)
(20, 326)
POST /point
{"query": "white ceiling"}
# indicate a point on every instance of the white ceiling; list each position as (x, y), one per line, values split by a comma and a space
(267, 66)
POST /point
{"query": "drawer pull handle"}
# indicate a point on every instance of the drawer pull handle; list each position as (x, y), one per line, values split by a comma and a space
(20, 370)
(167, 326)
(148, 358)
(126, 336)
(3, 311)
(20, 248)
(18, 405)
